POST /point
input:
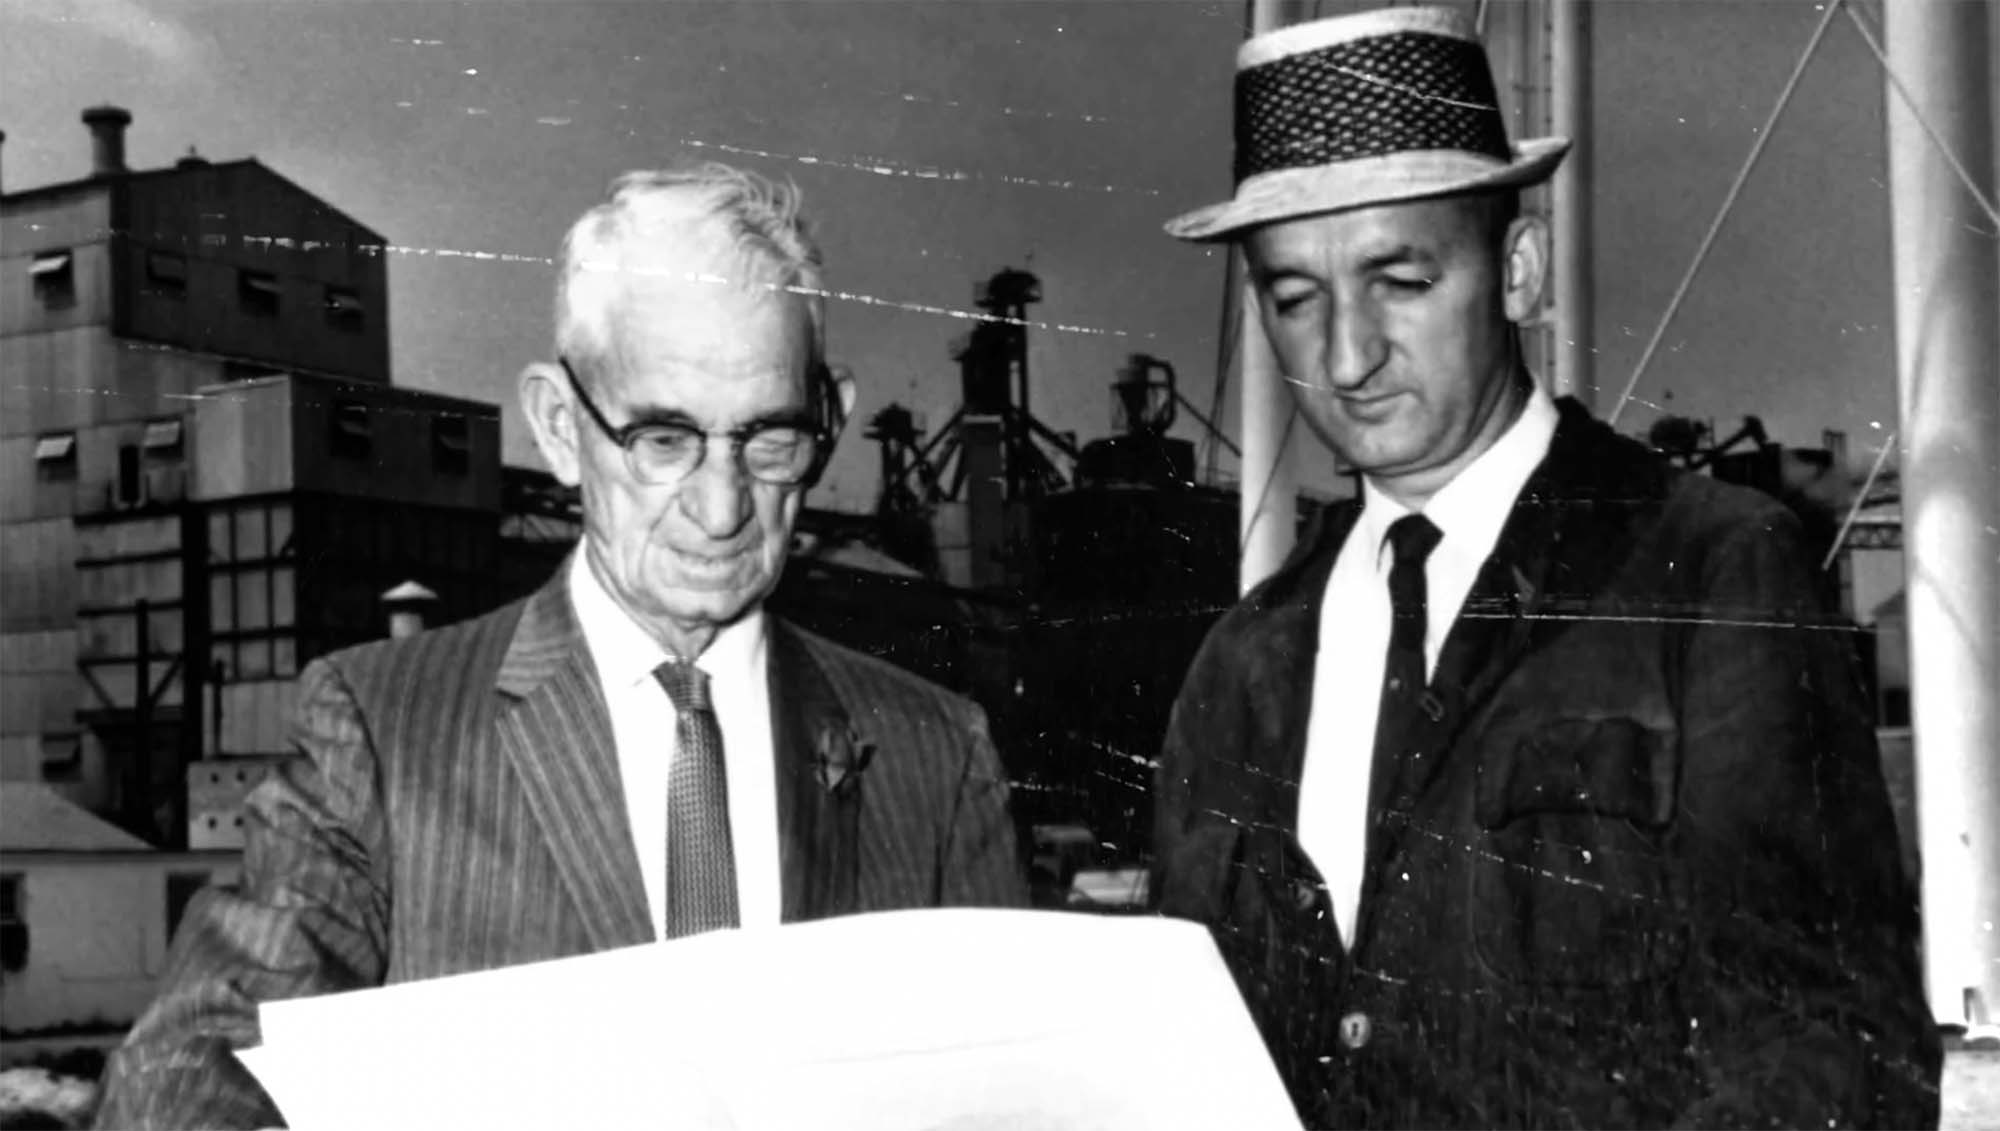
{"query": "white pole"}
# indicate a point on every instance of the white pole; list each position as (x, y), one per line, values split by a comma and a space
(1570, 201)
(1268, 516)
(1947, 280)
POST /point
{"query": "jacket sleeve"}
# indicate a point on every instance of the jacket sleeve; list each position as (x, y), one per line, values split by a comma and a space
(981, 866)
(1805, 989)
(310, 915)
(1167, 887)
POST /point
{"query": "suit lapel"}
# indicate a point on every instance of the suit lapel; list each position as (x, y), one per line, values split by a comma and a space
(556, 732)
(1564, 535)
(1280, 662)
(819, 820)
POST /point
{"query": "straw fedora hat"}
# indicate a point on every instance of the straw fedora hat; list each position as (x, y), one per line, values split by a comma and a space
(1373, 108)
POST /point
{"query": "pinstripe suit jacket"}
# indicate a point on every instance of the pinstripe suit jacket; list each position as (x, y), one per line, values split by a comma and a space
(459, 808)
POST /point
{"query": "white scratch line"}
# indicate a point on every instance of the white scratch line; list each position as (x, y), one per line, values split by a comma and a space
(1009, 111)
(1629, 618)
(825, 293)
(454, 253)
(967, 315)
(884, 168)
(1377, 80)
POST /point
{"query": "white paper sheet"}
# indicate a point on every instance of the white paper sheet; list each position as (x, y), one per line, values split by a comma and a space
(949, 1019)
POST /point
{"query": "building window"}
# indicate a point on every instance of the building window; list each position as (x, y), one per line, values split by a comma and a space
(258, 292)
(281, 531)
(55, 455)
(54, 273)
(62, 757)
(128, 488)
(284, 593)
(343, 310)
(248, 529)
(351, 434)
(253, 600)
(253, 658)
(451, 443)
(13, 923)
(182, 887)
(166, 274)
(221, 603)
(163, 439)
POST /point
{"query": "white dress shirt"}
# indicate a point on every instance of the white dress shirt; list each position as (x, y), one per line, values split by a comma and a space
(643, 725)
(1354, 637)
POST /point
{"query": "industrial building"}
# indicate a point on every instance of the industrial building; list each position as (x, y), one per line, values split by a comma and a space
(208, 478)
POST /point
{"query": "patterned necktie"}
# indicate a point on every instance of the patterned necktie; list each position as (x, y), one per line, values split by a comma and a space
(1404, 680)
(701, 863)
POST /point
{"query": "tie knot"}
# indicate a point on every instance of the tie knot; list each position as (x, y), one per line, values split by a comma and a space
(1412, 538)
(685, 684)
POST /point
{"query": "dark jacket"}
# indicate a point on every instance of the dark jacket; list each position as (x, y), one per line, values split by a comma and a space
(1647, 874)
(458, 808)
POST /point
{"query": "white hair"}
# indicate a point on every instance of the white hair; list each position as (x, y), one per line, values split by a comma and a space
(756, 217)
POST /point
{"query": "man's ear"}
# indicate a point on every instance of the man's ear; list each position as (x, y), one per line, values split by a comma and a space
(844, 392)
(1526, 266)
(552, 416)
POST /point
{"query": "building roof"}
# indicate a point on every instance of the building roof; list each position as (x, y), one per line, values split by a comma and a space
(185, 172)
(409, 591)
(35, 818)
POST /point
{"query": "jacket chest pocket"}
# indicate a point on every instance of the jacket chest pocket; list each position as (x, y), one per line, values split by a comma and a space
(1577, 884)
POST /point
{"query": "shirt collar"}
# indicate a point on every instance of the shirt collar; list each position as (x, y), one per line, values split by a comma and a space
(626, 654)
(1472, 508)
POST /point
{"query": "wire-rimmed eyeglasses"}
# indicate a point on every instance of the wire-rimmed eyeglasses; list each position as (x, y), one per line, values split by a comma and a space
(659, 453)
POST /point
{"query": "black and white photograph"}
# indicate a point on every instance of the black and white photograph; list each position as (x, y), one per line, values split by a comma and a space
(1075, 565)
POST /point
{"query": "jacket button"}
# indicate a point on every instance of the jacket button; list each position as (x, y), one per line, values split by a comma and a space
(1354, 1030)
(1304, 894)
(1431, 706)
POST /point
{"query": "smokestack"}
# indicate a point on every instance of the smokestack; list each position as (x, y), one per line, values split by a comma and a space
(3, 143)
(406, 605)
(107, 139)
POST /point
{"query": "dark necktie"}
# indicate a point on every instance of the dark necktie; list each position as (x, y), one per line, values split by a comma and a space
(1404, 681)
(701, 863)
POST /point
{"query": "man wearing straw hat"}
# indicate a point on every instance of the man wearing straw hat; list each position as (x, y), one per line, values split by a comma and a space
(1532, 791)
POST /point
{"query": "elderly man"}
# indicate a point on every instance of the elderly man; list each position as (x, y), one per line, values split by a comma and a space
(1531, 792)
(634, 752)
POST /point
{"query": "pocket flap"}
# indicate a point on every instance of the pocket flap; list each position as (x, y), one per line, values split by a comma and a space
(1615, 766)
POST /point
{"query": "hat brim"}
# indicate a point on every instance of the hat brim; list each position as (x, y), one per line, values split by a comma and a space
(1286, 194)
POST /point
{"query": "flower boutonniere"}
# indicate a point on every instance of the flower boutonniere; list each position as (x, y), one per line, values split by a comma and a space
(839, 755)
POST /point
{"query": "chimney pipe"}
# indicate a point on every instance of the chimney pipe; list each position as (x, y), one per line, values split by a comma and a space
(406, 605)
(107, 139)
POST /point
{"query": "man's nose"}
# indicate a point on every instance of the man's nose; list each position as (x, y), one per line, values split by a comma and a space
(1354, 345)
(716, 494)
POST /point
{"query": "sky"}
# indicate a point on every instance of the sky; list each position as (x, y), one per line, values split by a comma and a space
(939, 141)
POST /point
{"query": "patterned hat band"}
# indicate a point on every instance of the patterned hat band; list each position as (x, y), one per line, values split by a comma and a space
(1370, 108)
(1404, 92)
